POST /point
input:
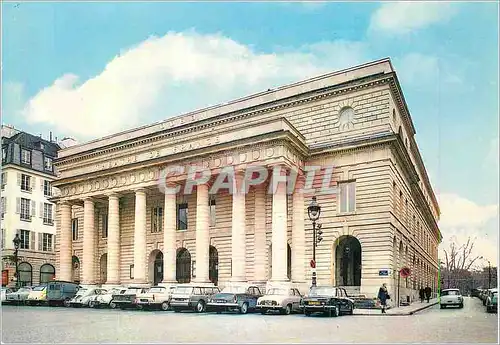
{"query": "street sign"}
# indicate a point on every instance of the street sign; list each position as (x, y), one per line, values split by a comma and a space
(383, 273)
(313, 264)
(405, 272)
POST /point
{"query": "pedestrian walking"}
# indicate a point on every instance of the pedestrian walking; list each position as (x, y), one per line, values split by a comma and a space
(421, 294)
(428, 292)
(383, 296)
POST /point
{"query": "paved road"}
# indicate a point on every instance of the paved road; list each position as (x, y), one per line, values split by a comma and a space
(57, 325)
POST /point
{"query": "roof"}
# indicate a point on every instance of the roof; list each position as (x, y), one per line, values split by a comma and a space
(31, 142)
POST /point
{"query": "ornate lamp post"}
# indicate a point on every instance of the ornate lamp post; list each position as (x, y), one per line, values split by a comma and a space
(314, 211)
(17, 242)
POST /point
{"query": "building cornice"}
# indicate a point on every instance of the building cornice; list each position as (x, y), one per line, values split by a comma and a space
(28, 171)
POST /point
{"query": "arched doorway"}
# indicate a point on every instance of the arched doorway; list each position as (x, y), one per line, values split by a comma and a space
(213, 265)
(156, 267)
(76, 269)
(288, 261)
(47, 273)
(348, 261)
(103, 268)
(25, 274)
(183, 265)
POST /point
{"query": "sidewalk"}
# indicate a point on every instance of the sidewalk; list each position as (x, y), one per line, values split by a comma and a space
(406, 310)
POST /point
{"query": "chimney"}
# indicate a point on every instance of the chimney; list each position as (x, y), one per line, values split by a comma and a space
(50, 136)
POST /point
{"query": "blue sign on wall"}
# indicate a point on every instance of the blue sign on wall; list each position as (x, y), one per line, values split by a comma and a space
(383, 273)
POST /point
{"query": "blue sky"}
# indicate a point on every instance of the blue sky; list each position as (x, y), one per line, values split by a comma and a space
(89, 69)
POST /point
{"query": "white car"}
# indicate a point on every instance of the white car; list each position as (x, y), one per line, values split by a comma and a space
(38, 295)
(5, 291)
(451, 297)
(106, 299)
(19, 296)
(155, 297)
(286, 300)
(84, 296)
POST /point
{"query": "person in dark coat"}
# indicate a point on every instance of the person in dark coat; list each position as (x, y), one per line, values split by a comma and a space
(428, 292)
(383, 296)
(421, 294)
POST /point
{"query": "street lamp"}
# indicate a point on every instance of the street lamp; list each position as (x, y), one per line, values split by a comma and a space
(314, 211)
(489, 274)
(17, 242)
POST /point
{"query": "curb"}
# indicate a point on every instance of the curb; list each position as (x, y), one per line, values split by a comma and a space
(423, 308)
(402, 314)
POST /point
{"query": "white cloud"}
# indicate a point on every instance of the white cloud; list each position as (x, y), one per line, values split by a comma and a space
(13, 98)
(177, 72)
(403, 17)
(462, 218)
(492, 158)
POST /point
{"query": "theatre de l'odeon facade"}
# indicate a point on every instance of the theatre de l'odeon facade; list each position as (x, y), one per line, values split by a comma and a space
(115, 226)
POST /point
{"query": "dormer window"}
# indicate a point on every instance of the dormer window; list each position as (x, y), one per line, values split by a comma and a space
(47, 163)
(25, 156)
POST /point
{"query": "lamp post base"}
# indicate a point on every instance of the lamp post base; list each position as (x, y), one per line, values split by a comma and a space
(314, 279)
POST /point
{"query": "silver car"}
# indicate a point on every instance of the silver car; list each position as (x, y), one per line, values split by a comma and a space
(19, 296)
(192, 297)
(283, 299)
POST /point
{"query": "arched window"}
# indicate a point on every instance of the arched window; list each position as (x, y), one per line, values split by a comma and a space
(25, 274)
(47, 273)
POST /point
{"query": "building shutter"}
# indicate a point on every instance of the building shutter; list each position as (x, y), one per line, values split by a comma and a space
(2, 205)
(18, 179)
(5, 177)
(18, 205)
(54, 243)
(41, 210)
(32, 235)
(40, 241)
(33, 208)
(33, 183)
(42, 185)
(5, 208)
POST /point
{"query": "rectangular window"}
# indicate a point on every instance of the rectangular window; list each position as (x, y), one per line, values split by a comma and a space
(104, 226)
(4, 154)
(3, 238)
(25, 183)
(47, 163)
(156, 219)
(47, 214)
(2, 206)
(25, 209)
(47, 188)
(25, 156)
(46, 242)
(182, 216)
(4, 180)
(347, 197)
(25, 239)
(211, 203)
(74, 228)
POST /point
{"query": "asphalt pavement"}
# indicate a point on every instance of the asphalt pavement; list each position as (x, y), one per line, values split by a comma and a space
(66, 325)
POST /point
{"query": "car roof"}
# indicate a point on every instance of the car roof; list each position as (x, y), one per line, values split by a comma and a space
(450, 290)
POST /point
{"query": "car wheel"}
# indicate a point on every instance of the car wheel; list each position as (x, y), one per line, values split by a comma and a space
(176, 310)
(351, 310)
(244, 308)
(112, 305)
(307, 312)
(200, 307)
(165, 306)
(263, 312)
(91, 304)
(335, 311)
(66, 303)
(461, 306)
(288, 309)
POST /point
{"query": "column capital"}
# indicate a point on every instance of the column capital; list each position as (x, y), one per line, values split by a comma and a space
(64, 203)
(140, 190)
(88, 199)
(113, 195)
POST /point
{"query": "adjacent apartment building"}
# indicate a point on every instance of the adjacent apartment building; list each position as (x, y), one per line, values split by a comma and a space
(26, 186)
(117, 227)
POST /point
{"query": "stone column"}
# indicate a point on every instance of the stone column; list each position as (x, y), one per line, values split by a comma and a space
(113, 257)
(238, 231)
(140, 237)
(65, 244)
(260, 246)
(298, 232)
(279, 232)
(202, 234)
(169, 237)
(88, 265)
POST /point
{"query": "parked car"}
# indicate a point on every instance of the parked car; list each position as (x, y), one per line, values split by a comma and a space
(60, 292)
(241, 298)
(329, 300)
(284, 299)
(38, 295)
(451, 297)
(485, 295)
(19, 296)
(105, 299)
(192, 297)
(5, 291)
(491, 301)
(127, 299)
(156, 297)
(84, 296)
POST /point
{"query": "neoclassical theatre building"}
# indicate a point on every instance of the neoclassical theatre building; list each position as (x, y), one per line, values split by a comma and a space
(115, 226)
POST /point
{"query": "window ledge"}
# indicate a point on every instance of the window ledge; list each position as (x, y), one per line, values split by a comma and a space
(353, 213)
(25, 219)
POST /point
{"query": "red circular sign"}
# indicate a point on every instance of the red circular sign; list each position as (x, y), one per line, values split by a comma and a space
(405, 272)
(313, 264)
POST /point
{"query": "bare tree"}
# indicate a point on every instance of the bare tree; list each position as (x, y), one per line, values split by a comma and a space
(460, 257)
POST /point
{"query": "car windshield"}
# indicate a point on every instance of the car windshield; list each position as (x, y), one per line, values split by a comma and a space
(450, 293)
(235, 289)
(156, 290)
(183, 290)
(322, 291)
(39, 288)
(276, 291)
(82, 292)
(132, 291)
(23, 289)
